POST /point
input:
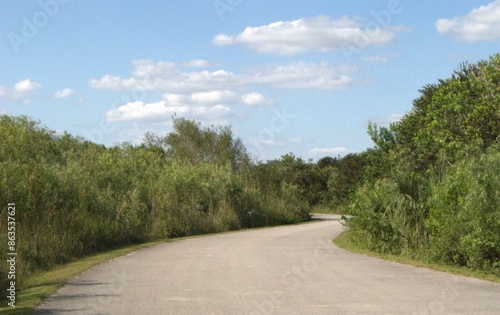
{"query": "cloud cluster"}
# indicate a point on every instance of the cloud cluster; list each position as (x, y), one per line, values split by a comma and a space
(211, 105)
(22, 91)
(161, 111)
(169, 77)
(310, 34)
(481, 24)
(197, 89)
(211, 92)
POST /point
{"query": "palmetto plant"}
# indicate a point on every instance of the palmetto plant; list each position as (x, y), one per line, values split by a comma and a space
(391, 214)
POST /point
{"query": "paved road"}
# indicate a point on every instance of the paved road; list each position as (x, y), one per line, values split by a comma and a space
(283, 270)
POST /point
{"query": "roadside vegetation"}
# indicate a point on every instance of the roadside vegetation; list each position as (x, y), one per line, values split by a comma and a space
(439, 198)
(75, 198)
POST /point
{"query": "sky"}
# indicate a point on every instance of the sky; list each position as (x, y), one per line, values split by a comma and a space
(301, 77)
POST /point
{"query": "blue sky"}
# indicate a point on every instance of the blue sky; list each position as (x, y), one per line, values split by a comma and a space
(288, 76)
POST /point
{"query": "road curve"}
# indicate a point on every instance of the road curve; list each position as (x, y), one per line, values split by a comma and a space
(283, 270)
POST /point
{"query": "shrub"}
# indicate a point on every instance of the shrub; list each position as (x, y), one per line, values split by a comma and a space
(464, 217)
(389, 215)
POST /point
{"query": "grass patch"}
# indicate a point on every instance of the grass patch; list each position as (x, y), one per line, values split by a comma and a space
(39, 286)
(344, 241)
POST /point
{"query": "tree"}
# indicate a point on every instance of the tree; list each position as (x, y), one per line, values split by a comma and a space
(456, 116)
(345, 178)
(191, 143)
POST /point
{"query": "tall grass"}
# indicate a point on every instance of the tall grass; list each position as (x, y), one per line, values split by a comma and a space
(464, 214)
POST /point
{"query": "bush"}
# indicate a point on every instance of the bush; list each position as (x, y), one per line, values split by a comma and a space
(464, 213)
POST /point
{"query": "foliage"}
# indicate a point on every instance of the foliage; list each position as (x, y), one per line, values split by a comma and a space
(345, 178)
(191, 143)
(448, 119)
(438, 196)
(389, 216)
(464, 213)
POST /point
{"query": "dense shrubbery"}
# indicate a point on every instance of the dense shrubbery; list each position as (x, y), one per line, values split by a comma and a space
(441, 199)
(464, 213)
(389, 215)
(75, 197)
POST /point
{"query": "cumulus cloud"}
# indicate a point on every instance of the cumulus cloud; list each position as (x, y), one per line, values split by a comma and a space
(213, 96)
(310, 34)
(164, 76)
(21, 91)
(201, 105)
(204, 97)
(64, 93)
(168, 77)
(199, 92)
(255, 99)
(481, 24)
(302, 75)
(319, 152)
(160, 111)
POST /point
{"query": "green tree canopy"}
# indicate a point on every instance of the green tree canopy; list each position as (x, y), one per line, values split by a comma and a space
(455, 116)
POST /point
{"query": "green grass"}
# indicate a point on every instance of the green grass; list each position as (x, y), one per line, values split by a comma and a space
(344, 241)
(39, 286)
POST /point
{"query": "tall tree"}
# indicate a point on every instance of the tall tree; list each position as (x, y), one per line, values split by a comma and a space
(190, 142)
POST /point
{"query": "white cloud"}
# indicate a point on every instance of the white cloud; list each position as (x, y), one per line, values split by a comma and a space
(255, 99)
(160, 111)
(320, 152)
(66, 92)
(481, 24)
(213, 96)
(227, 97)
(166, 77)
(207, 93)
(302, 75)
(310, 34)
(204, 106)
(26, 86)
(22, 91)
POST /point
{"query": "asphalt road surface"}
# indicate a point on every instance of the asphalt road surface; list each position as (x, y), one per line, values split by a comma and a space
(283, 270)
